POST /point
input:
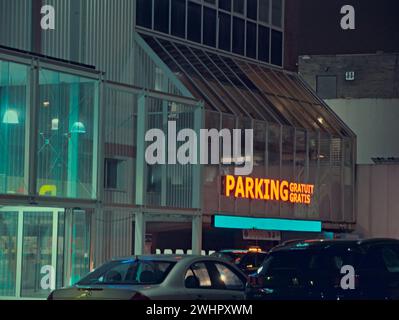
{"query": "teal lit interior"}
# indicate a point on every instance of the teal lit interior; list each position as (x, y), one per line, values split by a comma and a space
(234, 222)
(13, 107)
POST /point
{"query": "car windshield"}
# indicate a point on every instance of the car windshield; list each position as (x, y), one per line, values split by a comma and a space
(252, 260)
(280, 268)
(230, 256)
(130, 272)
(296, 263)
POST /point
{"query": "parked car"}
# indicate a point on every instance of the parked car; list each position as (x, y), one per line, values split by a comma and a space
(159, 277)
(251, 261)
(312, 269)
(231, 255)
(248, 261)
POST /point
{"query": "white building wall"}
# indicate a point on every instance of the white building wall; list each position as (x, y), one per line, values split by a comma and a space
(375, 122)
(377, 201)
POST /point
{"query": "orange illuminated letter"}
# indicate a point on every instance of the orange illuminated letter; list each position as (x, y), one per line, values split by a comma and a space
(239, 188)
(249, 188)
(284, 191)
(229, 183)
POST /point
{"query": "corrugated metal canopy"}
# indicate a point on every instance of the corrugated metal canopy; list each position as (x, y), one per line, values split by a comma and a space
(245, 88)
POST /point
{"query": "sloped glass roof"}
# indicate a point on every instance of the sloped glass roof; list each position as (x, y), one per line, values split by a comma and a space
(245, 88)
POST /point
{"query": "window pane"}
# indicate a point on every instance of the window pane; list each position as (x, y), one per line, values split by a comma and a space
(264, 10)
(179, 18)
(60, 250)
(144, 13)
(239, 6)
(277, 12)
(8, 252)
(391, 259)
(80, 246)
(37, 244)
(251, 40)
(201, 272)
(263, 43)
(209, 27)
(161, 15)
(194, 26)
(13, 120)
(252, 9)
(229, 278)
(274, 145)
(225, 5)
(238, 35)
(224, 31)
(326, 87)
(277, 48)
(66, 135)
(111, 173)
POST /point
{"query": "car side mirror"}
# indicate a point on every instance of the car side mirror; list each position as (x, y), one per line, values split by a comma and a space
(191, 282)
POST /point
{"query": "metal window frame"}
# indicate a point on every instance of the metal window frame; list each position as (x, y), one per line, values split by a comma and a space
(232, 14)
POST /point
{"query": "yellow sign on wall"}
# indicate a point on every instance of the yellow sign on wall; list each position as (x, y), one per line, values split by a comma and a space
(266, 189)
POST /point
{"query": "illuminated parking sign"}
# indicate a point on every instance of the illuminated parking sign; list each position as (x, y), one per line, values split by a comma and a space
(267, 189)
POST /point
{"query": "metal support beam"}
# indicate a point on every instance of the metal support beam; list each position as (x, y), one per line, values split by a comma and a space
(139, 233)
(196, 236)
(140, 161)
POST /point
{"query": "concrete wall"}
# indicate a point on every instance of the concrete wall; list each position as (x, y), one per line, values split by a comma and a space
(376, 75)
(377, 201)
(375, 122)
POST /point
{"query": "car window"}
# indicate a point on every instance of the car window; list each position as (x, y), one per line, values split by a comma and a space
(391, 259)
(252, 260)
(230, 280)
(336, 258)
(129, 272)
(200, 271)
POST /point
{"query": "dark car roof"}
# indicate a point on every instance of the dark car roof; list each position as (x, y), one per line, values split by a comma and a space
(320, 244)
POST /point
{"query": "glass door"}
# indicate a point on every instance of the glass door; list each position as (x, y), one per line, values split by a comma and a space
(37, 251)
(77, 245)
(42, 249)
(8, 252)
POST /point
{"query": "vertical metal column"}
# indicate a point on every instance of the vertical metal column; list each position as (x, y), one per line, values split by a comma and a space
(32, 129)
(68, 247)
(196, 235)
(73, 145)
(197, 168)
(139, 233)
(20, 236)
(140, 161)
(54, 245)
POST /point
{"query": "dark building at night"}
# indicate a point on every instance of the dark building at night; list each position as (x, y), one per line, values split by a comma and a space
(77, 102)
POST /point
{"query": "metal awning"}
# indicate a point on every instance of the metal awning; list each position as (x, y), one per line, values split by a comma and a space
(246, 88)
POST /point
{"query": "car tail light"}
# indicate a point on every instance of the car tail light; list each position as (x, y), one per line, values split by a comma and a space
(139, 297)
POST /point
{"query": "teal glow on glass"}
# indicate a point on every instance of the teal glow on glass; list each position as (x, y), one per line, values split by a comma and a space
(234, 222)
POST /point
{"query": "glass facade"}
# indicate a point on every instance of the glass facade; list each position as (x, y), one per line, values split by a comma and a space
(245, 27)
(67, 122)
(14, 105)
(170, 185)
(296, 137)
(8, 252)
(64, 121)
(40, 245)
